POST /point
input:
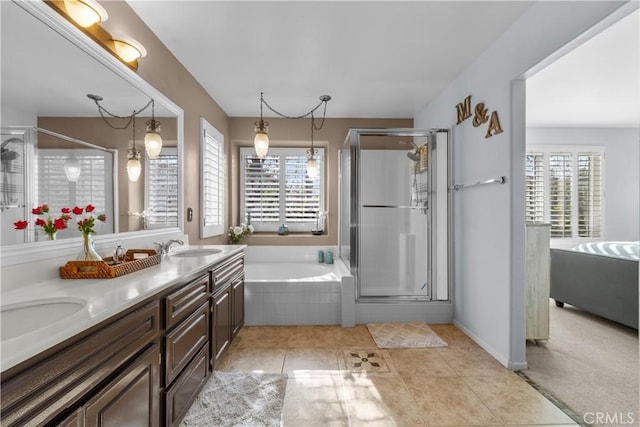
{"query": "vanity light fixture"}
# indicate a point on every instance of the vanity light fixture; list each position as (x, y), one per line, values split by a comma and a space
(134, 167)
(72, 168)
(127, 48)
(85, 12)
(261, 140)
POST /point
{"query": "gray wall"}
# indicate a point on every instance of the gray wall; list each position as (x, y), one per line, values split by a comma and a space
(621, 172)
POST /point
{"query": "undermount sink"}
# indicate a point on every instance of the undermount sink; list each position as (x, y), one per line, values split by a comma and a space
(22, 318)
(195, 252)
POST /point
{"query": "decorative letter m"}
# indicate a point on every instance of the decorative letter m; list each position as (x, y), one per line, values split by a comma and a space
(463, 110)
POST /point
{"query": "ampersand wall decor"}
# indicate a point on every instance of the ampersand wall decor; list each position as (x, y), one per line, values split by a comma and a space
(463, 111)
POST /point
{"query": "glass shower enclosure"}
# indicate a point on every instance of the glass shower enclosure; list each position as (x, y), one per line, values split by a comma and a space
(395, 207)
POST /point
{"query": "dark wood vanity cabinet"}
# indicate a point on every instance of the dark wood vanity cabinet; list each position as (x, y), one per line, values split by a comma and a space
(227, 305)
(143, 367)
(58, 382)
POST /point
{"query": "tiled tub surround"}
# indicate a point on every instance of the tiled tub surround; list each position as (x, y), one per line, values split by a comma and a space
(103, 298)
(286, 285)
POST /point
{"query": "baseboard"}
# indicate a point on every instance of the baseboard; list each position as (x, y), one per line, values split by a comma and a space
(504, 361)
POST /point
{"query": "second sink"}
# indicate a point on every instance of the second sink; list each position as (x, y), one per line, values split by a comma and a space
(22, 318)
(195, 252)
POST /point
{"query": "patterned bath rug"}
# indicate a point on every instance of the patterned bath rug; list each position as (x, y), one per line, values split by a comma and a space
(404, 335)
(239, 399)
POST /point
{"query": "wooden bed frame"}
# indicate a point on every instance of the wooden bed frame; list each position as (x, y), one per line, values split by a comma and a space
(602, 285)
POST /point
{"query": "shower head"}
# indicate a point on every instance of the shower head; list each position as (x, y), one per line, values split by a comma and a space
(414, 155)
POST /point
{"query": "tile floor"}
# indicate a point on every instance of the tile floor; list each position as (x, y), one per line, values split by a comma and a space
(338, 377)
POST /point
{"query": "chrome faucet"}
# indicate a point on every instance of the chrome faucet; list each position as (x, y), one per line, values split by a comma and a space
(164, 248)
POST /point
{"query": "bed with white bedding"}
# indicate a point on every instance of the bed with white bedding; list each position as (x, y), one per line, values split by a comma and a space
(599, 277)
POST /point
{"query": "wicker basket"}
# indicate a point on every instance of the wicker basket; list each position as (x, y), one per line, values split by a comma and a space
(105, 269)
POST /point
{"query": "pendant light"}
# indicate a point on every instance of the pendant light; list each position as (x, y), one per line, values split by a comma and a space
(152, 139)
(134, 167)
(72, 168)
(313, 170)
(261, 140)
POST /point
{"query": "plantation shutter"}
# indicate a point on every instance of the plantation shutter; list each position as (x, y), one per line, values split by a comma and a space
(560, 190)
(161, 189)
(302, 195)
(213, 179)
(534, 181)
(94, 186)
(276, 190)
(589, 194)
(564, 187)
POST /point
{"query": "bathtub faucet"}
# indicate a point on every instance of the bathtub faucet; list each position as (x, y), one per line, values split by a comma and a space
(164, 248)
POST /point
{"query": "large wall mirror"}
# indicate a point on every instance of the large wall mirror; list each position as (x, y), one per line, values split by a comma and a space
(48, 123)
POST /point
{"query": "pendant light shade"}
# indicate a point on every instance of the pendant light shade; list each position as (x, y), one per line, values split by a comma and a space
(134, 167)
(72, 168)
(152, 139)
(261, 141)
(313, 170)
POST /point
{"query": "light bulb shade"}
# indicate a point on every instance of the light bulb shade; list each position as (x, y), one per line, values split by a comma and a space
(313, 170)
(134, 167)
(261, 141)
(152, 139)
(127, 48)
(85, 12)
(72, 168)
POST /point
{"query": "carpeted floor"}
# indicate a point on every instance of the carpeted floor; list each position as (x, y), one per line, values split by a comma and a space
(590, 364)
(404, 335)
(239, 399)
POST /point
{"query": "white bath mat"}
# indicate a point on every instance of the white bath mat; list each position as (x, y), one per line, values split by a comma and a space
(404, 335)
(239, 399)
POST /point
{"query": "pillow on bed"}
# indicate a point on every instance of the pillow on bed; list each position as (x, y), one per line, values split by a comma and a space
(624, 250)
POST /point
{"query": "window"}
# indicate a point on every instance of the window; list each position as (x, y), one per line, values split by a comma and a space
(94, 186)
(564, 188)
(276, 190)
(213, 179)
(161, 189)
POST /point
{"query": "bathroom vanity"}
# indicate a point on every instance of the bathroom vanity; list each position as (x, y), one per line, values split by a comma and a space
(137, 353)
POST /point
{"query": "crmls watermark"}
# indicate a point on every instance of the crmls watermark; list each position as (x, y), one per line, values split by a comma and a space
(609, 418)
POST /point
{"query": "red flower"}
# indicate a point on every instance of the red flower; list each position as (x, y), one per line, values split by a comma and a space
(78, 211)
(40, 222)
(65, 211)
(102, 217)
(90, 208)
(37, 211)
(20, 225)
(60, 223)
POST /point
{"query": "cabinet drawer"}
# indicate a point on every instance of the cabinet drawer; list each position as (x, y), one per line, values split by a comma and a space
(41, 392)
(182, 393)
(185, 340)
(227, 271)
(181, 303)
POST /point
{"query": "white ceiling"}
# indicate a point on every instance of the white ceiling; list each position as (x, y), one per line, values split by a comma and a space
(376, 59)
(594, 85)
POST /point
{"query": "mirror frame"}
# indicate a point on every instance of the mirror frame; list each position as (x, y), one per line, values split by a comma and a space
(37, 251)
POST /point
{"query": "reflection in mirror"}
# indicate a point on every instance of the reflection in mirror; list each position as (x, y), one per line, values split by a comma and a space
(45, 81)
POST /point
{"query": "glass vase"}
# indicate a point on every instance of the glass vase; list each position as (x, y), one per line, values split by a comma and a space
(88, 249)
(51, 236)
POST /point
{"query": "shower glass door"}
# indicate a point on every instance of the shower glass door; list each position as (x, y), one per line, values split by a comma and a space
(389, 191)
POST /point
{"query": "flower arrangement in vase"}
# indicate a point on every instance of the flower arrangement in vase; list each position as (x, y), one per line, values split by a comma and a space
(86, 225)
(49, 224)
(238, 232)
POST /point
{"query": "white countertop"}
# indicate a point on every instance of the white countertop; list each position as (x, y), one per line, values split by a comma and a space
(104, 298)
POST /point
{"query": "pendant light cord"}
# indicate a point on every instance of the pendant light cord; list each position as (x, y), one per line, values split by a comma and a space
(103, 111)
(323, 100)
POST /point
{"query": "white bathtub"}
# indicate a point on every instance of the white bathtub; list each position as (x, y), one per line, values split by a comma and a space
(290, 271)
(292, 293)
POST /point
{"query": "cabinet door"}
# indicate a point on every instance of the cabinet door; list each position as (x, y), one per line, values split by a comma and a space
(133, 398)
(237, 298)
(220, 325)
